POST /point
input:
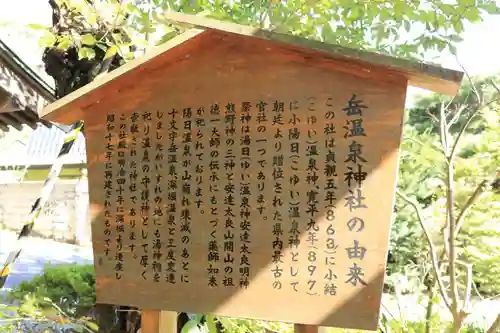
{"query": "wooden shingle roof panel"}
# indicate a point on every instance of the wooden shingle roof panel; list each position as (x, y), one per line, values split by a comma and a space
(435, 78)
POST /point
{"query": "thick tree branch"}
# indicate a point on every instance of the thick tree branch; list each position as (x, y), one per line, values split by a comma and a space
(451, 239)
(432, 249)
(449, 229)
(495, 327)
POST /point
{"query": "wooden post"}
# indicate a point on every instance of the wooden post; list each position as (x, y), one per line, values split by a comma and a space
(154, 321)
(299, 328)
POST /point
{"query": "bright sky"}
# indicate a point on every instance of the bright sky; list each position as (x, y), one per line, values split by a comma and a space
(479, 52)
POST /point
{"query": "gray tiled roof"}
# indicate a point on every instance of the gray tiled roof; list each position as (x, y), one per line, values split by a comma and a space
(43, 145)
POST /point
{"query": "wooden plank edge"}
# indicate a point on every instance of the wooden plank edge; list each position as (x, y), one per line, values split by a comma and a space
(156, 321)
(300, 328)
(422, 75)
(51, 110)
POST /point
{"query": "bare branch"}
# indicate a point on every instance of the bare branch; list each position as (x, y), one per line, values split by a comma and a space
(432, 116)
(443, 130)
(477, 291)
(495, 327)
(420, 143)
(468, 205)
(495, 86)
(491, 298)
(475, 111)
(414, 140)
(473, 86)
(457, 115)
(466, 125)
(468, 286)
(461, 132)
(432, 249)
(450, 102)
(490, 102)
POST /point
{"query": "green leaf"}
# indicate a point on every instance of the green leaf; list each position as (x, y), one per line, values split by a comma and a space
(226, 323)
(86, 52)
(64, 43)
(212, 328)
(88, 39)
(113, 49)
(407, 25)
(441, 45)
(37, 27)
(490, 8)
(47, 40)
(102, 46)
(189, 326)
(355, 13)
(93, 326)
(455, 38)
(77, 328)
(447, 9)
(168, 36)
(452, 48)
(467, 3)
(130, 8)
(472, 14)
(117, 37)
(458, 26)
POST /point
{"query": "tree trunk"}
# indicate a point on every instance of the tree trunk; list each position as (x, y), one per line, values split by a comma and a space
(457, 325)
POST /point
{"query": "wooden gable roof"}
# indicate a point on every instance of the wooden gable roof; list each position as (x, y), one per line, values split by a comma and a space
(22, 92)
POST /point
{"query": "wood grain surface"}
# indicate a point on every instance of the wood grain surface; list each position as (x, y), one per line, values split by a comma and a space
(233, 71)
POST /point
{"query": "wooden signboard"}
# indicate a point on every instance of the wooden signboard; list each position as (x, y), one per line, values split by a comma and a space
(245, 177)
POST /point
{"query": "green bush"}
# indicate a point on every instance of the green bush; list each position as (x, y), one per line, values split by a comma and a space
(70, 286)
(68, 291)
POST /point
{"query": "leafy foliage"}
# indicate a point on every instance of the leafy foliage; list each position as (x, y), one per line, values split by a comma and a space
(423, 117)
(422, 174)
(41, 316)
(115, 25)
(70, 286)
(89, 38)
(40, 308)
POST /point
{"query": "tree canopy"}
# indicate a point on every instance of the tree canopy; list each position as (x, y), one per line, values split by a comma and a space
(92, 37)
(423, 176)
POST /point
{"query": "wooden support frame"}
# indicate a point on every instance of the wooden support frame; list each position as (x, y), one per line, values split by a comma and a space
(154, 321)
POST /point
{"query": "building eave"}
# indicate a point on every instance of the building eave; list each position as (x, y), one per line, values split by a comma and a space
(21, 106)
